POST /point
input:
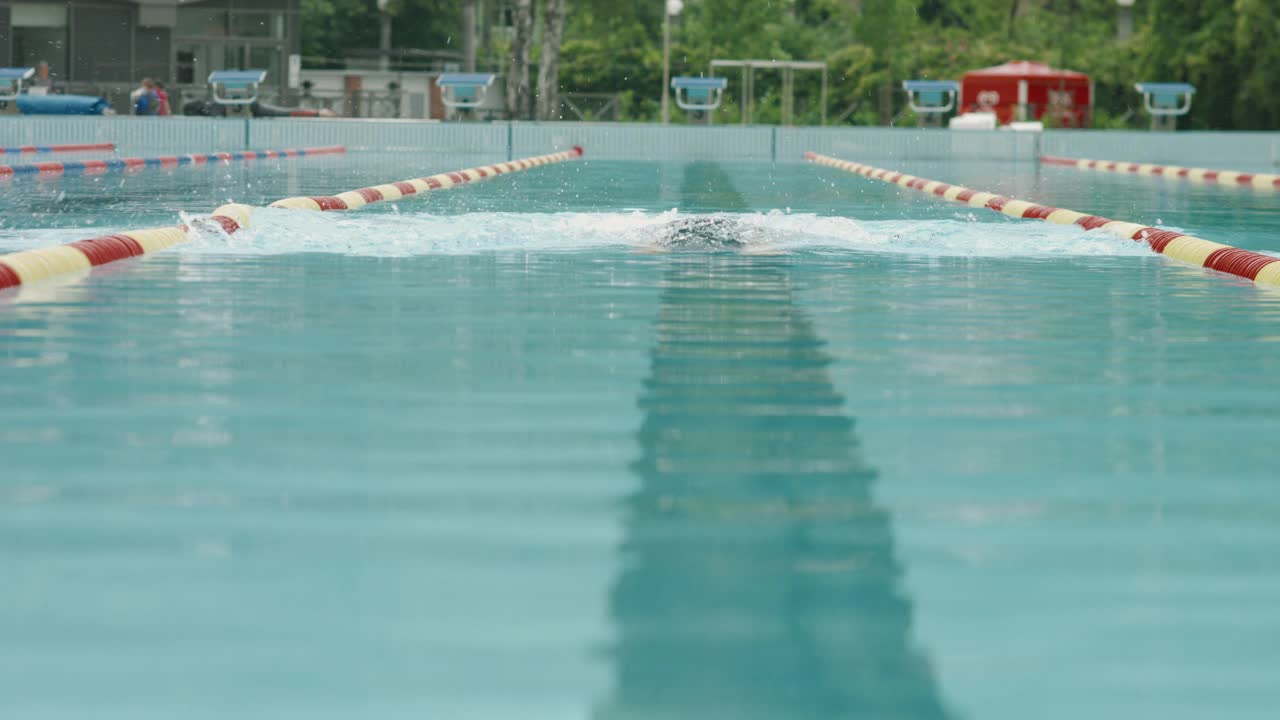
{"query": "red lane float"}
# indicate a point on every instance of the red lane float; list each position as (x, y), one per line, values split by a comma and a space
(29, 266)
(354, 199)
(1262, 269)
(130, 164)
(28, 149)
(1262, 181)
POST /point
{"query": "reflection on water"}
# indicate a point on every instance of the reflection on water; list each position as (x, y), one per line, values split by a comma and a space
(760, 578)
(311, 484)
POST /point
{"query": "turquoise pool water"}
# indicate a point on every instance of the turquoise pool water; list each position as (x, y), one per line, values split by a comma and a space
(484, 454)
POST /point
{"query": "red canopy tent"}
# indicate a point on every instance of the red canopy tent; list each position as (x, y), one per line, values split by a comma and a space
(1029, 91)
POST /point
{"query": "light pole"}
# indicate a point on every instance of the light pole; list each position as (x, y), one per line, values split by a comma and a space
(469, 36)
(384, 35)
(671, 7)
(1124, 24)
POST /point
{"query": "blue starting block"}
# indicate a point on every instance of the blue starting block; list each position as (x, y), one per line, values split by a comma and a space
(931, 97)
(1166, 98)
(699, 93)
(462, 91)
(236, 87)
(1165, 101)
(15, 77)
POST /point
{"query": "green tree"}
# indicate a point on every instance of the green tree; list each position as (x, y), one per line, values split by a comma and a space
(549, 61)
(1257, 61)
(1193, 41)
(333, 28)
(519, 97)
(1229, 49)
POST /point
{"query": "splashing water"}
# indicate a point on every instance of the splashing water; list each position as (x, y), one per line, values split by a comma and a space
(275, 231)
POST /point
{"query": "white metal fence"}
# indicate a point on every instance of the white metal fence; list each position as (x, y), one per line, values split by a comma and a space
(641, 141)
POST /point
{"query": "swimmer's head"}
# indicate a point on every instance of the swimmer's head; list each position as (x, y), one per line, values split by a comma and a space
(703, 233)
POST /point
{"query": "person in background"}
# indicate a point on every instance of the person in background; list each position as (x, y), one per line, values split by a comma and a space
(41, 84)
(162, 99)
(144, 98)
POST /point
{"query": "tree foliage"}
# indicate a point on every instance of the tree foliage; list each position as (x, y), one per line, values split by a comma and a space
(331, 28)
(1230, 49)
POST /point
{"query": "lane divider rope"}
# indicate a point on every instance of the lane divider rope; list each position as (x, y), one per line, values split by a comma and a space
(98, 167)
(1262, 181)
(29, 266)
(29, 149)
(1257, 267)
(354, 199)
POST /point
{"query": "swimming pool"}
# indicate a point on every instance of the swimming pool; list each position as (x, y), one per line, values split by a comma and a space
(483, 453)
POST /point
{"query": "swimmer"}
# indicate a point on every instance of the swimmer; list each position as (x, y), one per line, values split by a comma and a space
(714, 233)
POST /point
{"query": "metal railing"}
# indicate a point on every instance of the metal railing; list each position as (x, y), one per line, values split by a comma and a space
(588, 106)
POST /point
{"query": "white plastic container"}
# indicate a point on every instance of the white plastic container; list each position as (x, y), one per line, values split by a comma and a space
(1032, 126)
(973, 121)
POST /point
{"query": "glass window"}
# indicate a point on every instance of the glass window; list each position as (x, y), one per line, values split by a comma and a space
(196, 60)
(188, 66)
(40, 35)
(33, 45)
(38, 15)
(266, 58)
(256, 24)
(202, 21)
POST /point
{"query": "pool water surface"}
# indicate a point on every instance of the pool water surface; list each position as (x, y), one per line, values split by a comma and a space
(491, 452)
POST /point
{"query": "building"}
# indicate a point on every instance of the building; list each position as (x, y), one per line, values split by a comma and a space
(104, 47)
(108, 45)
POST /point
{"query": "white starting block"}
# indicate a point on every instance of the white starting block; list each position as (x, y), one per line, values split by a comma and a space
(464, 91)
(236, 87)
(1166, 102)
(237, 90)
(15, 78)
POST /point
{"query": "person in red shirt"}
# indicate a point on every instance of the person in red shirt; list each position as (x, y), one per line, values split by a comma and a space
(162, 106)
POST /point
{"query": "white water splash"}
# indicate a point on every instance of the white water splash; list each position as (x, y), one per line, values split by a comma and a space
(275, 231)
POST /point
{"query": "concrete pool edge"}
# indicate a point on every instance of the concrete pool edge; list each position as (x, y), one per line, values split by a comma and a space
(1237, 150)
